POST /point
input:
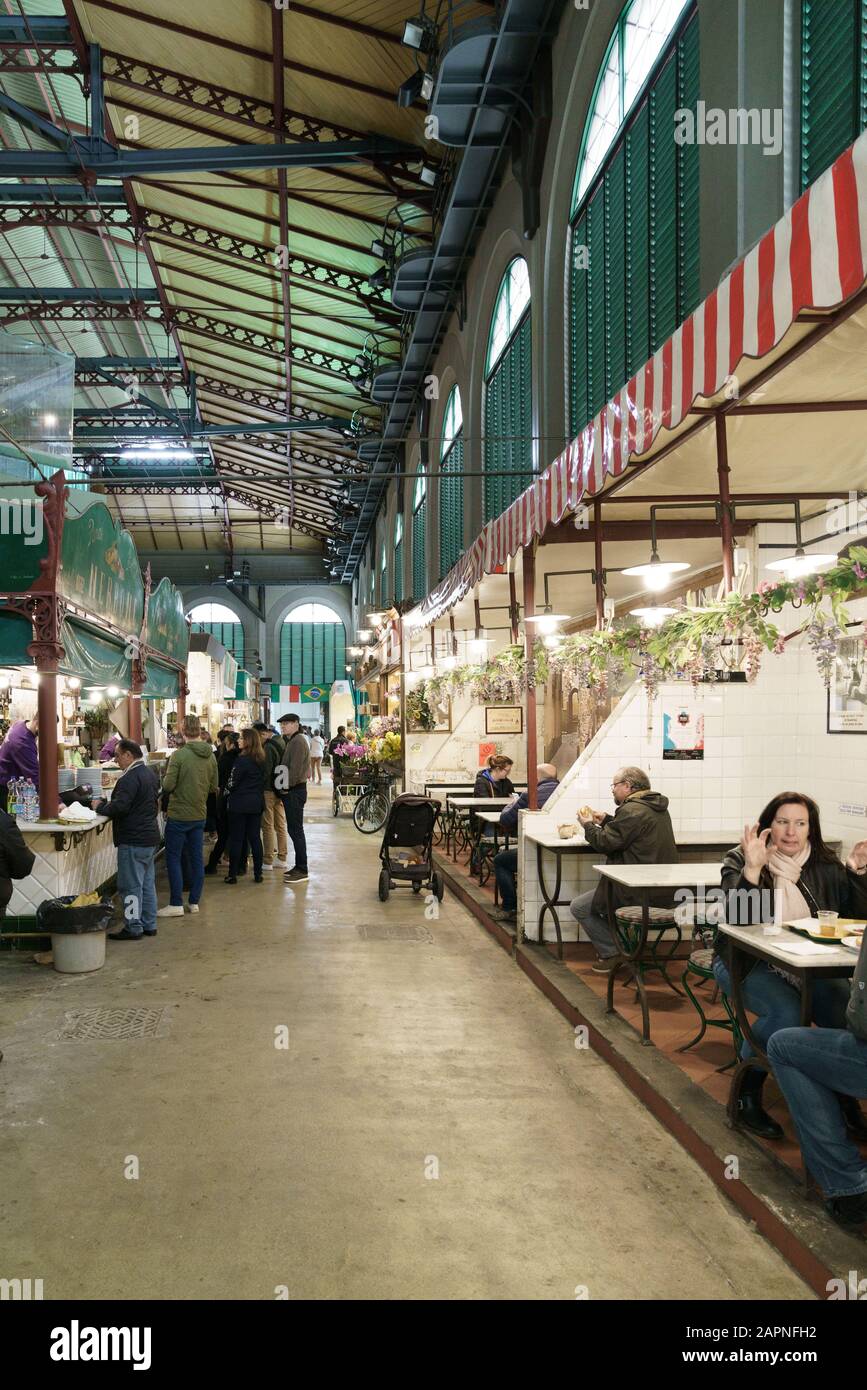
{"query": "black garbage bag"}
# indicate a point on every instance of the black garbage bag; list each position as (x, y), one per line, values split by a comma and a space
(53, 916)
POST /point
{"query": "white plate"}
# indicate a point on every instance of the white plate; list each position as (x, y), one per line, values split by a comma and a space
(853, 942)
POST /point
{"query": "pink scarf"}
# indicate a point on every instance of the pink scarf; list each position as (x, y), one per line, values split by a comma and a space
(789, 903)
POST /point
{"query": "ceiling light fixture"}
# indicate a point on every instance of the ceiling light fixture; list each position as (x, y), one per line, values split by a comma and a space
(546, 622)
(410, 91)
(657, 573)
(419, 33)
(800, 564)
(653, 616)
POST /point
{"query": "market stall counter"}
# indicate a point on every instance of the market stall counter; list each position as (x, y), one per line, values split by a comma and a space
(70, 859)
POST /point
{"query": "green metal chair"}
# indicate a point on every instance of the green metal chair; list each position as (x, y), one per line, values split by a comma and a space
(699, 970)
(628, 922)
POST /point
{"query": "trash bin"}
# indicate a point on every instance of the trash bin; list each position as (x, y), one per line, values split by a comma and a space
(77, 933)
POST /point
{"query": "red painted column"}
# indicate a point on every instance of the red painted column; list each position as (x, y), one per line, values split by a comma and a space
(133, 703)
(183, 692)
(723, 471)
(529, 565)
(47, 656)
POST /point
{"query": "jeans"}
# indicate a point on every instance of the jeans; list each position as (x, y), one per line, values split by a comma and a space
(812, 1066)
(137, 887)
(506, 873)
(181, 834)
(777, 1004)
(595, 925)
(293, 804)
(244, 830)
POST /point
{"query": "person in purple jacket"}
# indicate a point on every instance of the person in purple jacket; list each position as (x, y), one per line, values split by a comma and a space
(107, 751)
(19, 756)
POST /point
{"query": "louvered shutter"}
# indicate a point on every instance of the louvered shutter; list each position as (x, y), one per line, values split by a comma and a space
(637, 215)
(615, 275)
(833, 82)
(579, 286)
(663, 207)
(419, 586)
(452, 505)
(688, 203)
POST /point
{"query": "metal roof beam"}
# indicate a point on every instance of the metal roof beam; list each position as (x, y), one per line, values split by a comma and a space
(47, 30)
(100, 159)
(72, 294)
(95, 364)
(23, 194)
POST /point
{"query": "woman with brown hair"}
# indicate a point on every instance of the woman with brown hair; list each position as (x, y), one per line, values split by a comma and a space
(246, 802)
(493, 779)
(783, 860)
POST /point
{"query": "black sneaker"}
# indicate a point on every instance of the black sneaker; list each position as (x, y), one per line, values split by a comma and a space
(849, 1212)
(296, 876)
(125, 935)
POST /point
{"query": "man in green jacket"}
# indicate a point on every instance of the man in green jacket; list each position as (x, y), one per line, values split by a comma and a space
(191, 777)
(275, 841)
(639, 832)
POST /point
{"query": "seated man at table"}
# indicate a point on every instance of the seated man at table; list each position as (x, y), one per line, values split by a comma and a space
(639, 832)
(814, 1067)
(506, 862)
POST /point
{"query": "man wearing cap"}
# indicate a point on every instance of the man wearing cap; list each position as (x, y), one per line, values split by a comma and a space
(290, 780)
(132, 811)
(274, 838)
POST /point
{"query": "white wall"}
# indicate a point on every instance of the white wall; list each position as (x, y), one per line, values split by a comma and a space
(454, 757)
(760, 739)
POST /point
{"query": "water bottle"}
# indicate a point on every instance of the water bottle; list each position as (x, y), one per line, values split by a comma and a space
(17, 798)
(29, 800)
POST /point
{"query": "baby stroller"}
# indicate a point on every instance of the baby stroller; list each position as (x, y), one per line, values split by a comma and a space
(406, 851)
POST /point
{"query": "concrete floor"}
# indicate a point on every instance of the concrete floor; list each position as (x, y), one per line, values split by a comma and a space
(310, 1167)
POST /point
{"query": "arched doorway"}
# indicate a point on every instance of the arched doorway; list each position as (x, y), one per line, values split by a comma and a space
(312, 657)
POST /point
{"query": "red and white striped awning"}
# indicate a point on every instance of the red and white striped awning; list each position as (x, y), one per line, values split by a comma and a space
(814, 258)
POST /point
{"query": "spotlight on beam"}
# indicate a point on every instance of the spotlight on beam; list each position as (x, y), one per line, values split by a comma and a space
(410, 91)
(419, 33)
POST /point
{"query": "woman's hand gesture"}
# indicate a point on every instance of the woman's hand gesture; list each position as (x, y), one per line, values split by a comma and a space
(757, 850)
(857, 860)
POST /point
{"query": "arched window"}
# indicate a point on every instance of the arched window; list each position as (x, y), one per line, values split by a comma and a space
(634, 236)
(312, 646)
(419, 507)
(452, 483)
(398, 558)
(222, 624)
(508, 431)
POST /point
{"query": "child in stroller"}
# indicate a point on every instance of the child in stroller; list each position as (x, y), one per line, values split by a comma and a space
(407, 846)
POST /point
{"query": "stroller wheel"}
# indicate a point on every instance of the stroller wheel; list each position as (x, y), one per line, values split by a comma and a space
(335, 804)
(416, 887)
(437, 886)
(384, 885)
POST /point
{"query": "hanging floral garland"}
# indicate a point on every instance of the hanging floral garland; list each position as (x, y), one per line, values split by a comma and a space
(693, 644)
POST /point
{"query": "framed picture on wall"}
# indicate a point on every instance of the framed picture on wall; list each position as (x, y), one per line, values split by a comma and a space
(504, 719)
(847, 694)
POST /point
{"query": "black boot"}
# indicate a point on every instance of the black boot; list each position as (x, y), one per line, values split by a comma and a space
(750, 1112)
(856, 1124)
(849, 1212)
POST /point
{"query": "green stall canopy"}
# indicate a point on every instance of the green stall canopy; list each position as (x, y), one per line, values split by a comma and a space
(161, 683)
(97, 660)
(15, 635)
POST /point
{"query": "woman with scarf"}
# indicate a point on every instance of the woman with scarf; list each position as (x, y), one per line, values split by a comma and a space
(783, 868)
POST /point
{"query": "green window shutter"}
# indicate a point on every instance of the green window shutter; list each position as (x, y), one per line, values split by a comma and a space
(229, 635)
(312, 653)
(419, 584)
(578, 410)
(596, 303)
(663, 207)
(509, 422)
(688, 204)
(638, 241)
(833, 82)
(452, 505)
(398, 571)
(615, 275)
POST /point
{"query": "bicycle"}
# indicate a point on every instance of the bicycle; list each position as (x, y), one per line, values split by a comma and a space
(371, 809)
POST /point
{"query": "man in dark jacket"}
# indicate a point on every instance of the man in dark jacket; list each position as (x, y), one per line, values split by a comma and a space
(506, 862)
(639, 832)
(133, 814)
(292, 788)
(16, 860)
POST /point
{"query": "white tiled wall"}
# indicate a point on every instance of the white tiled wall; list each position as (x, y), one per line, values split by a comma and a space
(454, 757)
(760, 739)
